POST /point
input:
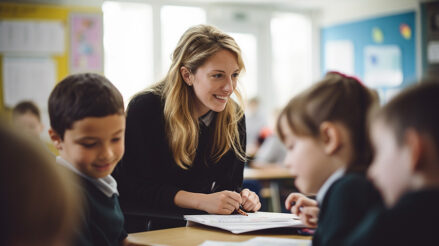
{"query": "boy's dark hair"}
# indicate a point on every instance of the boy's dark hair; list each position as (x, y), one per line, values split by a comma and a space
(337, 98)
(25, 107)
(82, 95)
(416, 107)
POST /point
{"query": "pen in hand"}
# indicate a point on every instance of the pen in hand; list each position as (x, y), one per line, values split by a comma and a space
(240, 210)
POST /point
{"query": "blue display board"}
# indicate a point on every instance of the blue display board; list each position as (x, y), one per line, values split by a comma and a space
(394, 30)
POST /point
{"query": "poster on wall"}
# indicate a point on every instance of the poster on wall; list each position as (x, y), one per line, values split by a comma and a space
(86, 43)
(339, 56)
(382, 65)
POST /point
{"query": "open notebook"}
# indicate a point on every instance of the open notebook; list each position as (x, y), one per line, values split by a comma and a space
(253, 222)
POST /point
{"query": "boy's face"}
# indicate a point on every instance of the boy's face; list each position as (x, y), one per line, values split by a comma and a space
(94, 145)
(29, 123)
(305, 159)
(390, 169)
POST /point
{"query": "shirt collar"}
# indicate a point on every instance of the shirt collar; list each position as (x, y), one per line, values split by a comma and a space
(207, 118)
(106, 185)
(328, 183)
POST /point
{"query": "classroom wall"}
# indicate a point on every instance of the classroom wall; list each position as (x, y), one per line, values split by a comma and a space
(41, 12)
(362, 35)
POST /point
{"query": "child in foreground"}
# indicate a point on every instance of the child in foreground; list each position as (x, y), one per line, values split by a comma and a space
(405, 136)
(325, 131)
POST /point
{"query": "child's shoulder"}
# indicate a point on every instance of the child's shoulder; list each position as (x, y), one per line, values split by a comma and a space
(355, 185)
(426, 200)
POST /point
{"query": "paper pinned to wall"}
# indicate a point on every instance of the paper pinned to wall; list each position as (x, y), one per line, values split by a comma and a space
(18, 36)
(433, 52)
(382, 65)
(339, 56)
(28, 79)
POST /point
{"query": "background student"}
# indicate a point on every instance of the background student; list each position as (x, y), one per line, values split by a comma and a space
(405, 136)
(185, 138)
(87, 127)
(324, 129)
(40, 205)
(26, 116)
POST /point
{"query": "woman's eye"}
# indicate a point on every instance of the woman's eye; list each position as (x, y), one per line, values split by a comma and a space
(217, 76)
(235, 75)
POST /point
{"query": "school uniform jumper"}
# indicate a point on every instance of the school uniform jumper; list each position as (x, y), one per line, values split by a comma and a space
(412, 221)
(343, 206)
(102, 220)
(148, 176)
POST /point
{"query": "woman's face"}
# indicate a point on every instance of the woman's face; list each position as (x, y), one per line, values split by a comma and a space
(214, 82)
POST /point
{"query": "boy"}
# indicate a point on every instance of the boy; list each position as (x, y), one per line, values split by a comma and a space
(26, 116)
(405, 135)
(87, 127)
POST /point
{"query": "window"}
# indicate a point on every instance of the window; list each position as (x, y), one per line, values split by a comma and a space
(175, 20)
(128, 46)
(248, 79)
(291, 46)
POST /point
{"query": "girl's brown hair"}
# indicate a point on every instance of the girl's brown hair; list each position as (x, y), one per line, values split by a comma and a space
(337, 98)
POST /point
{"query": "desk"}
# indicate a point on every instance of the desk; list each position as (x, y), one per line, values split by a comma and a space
(195, 235)
(273, 175)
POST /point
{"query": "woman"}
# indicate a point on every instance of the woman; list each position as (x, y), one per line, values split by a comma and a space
(185, 136)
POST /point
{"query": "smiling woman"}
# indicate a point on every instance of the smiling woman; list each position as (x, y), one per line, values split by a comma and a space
(185, 136)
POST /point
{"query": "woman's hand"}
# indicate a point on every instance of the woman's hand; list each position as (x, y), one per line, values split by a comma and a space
(304, 207)
(250, 200)
(223, 202)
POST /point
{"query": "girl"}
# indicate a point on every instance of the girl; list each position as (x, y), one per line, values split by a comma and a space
(325, 131)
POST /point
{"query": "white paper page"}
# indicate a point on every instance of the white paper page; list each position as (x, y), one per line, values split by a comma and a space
(28, 79)
(237, 218)
(261, 241)
(339, 56)
(272, 241)
(46, 37)
(254, 221)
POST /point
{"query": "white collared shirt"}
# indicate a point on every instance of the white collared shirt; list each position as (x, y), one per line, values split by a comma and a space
(207, 118)
(107, 185)
(328, 183)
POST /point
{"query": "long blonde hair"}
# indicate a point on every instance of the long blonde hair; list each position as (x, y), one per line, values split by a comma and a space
(196, 45)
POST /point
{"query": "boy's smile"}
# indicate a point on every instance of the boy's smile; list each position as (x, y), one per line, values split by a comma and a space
(94, 145)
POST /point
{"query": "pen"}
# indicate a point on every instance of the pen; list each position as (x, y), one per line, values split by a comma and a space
(240, 210)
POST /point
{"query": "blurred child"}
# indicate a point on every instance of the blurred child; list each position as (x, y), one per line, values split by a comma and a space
(87, 127)
(324, 129)
(26, 116)
(405, 136)
(39, 204)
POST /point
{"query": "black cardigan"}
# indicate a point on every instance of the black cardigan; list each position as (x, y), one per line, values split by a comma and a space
(412, 221)
(148, 176)
(345, 205)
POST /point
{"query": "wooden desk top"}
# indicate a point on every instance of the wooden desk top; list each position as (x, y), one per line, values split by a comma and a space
(195, 235)
(267, 173)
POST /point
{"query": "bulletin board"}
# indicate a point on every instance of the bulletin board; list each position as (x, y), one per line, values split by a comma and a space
(393, 36)
(49, 18)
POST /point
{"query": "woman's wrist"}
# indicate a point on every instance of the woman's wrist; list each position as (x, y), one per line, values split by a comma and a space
(185, 199)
